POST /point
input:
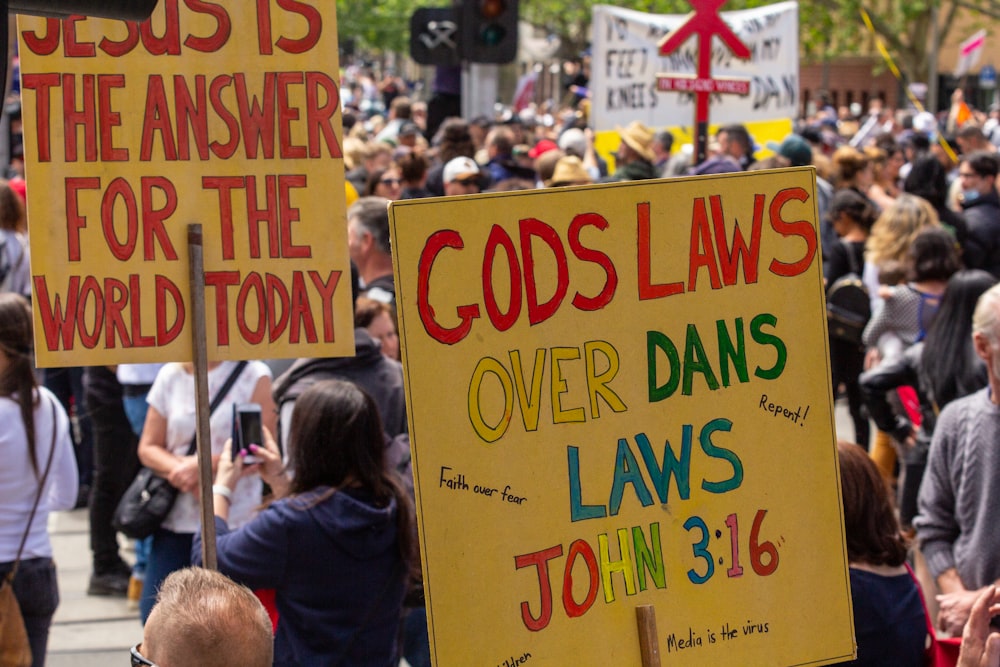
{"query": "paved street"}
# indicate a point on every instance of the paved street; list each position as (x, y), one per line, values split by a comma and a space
(87, 631)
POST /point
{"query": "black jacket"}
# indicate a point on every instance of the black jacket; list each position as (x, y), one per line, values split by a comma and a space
(379, 376)
(982, 246)
(906, 370)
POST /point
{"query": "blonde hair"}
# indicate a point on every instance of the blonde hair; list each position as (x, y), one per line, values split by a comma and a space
(204, 618)
(896, 228)
(986, 316)
(354, 152)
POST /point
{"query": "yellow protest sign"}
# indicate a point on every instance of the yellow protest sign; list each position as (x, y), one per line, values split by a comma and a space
(619, 395)
(225, 114)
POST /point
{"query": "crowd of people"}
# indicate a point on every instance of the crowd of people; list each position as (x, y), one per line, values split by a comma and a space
(908, 206)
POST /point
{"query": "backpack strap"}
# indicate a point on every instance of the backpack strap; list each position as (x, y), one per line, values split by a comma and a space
(38, 496)
(217, 399)
(852, 261)
(921, 317)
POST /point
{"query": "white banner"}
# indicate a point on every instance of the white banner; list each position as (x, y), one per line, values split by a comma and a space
(626, 62)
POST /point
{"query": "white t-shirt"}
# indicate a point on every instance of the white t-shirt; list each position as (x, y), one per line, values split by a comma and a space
(172, 395)
(137, 373)
(18, 483)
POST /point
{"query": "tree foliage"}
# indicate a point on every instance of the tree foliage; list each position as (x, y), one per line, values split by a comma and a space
(828, 28)
(382, 26)
(906, 29)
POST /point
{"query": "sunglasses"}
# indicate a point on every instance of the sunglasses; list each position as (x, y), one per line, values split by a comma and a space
(390, 181)
(138, 660)
(467, 181)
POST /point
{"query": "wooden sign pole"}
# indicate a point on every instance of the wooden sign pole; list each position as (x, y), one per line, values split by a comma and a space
(202, 403)
(704, 23)
(649, 644)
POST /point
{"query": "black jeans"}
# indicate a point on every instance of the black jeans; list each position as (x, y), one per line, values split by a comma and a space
(847, 361)
(115, 463)
(37, 593)
(67, 385)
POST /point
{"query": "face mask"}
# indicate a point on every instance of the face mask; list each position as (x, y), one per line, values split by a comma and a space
(969, 196)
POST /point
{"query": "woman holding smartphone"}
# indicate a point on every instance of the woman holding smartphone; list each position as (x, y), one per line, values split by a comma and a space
(166, 438)
(338, 545)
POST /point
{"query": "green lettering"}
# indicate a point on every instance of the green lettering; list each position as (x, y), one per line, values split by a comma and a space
(763, 338)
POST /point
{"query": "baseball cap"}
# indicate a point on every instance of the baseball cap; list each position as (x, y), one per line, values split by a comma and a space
(542, 147)
(459, 167)
(573, 141)
(795, 148)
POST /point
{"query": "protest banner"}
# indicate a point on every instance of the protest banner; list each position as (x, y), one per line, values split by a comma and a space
(225, 114)
(626, 65)
(619, 395)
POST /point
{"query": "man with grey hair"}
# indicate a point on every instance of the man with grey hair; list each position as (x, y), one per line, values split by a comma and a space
(960, 492)
(204, 619)
(368, 246)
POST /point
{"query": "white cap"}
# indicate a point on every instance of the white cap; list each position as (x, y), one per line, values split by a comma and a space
(573, 141)
(459, 167)
(925, 122)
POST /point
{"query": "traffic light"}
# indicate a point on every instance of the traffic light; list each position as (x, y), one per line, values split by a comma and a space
(489, 31)
(126, 10)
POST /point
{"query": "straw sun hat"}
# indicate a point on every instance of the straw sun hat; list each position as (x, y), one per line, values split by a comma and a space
(639, 138)
(569, 171)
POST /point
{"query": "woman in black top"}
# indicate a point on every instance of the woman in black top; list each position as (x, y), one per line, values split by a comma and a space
(852, 216)
(942, 367)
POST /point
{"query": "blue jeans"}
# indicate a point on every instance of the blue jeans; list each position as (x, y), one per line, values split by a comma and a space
(135, 409)
(141, 557)
(416, 645)
(37, 593)
(168, 553)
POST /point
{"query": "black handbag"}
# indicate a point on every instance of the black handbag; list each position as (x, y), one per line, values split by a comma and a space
(149, 498)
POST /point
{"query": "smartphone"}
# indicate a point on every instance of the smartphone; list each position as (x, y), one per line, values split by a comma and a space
(247, 430)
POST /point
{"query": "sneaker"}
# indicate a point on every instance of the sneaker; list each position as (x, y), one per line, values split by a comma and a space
(134, 593)
(112, 583)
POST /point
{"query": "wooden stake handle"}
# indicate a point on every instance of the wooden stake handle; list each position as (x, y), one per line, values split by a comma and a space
(202, 404)
(649, 643)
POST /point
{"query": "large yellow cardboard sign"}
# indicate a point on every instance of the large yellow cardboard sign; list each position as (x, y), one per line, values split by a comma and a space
(225, 114)
(620, 395)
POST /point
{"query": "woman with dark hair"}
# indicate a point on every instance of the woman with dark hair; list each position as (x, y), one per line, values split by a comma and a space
(852, 217)
(907, 310)
(387, 183)
(929, 181)
(15, 275)
(339, 544)
(452, 140)
(414, 166)
(905, 305)
(38, 467)
(942, 368)
(378, 318)
(890, 625)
